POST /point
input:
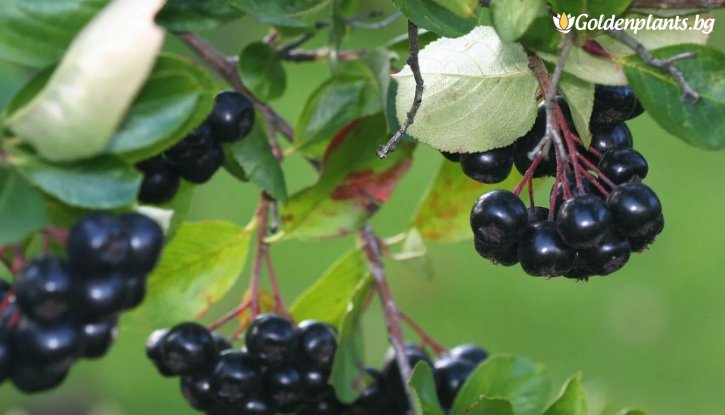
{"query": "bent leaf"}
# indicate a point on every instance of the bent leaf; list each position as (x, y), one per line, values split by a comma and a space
(423, 387)
(298, 13)
(572, 400)
(450, 18)
(512, 18)
(180, 15)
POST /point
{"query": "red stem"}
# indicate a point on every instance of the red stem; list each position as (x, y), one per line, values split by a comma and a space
(241, 308)
(529, 172)
(424, 336)
(279, 305)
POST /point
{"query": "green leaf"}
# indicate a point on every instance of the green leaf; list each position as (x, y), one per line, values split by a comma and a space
(632, 412)
(190, 15)
(348, 375)
(298, 13)
(488, 406)
(353, 185)
(197, 267)
(37, 33)
(414, 254)
(579, 94)
(699, 124)
(328, 298)
(262, 71)
(449, 18)
(423, 386)
(400, 45)
(22, 208)
(338, 30)
(542, 35)
(76, 113)
(520, 381)
(593, 7)
(254, 156)
(479, 93)
(512, 18)
(443, 213)
(104, 182)
(572, 400)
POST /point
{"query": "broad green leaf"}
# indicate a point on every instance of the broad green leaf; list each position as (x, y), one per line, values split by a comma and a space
(254, 156)
(450, 18)
(180, 15)
(520, 381)
(400, 45)
(353, 185)
(572, 401)
(512, 18)
(443, 214)
(423, 386)
(262, 71)
(76, 113)
(37, 33)
(593, 7)
(103, 182)
(488, 406)
(328, 298)
(297, 13)
(479, 93)
(541, 35)
(699, 124)
(22, 208)
(579, 95)
(197, 267)
(348, 375)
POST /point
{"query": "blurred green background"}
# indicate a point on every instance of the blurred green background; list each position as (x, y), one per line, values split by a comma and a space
(652, 335)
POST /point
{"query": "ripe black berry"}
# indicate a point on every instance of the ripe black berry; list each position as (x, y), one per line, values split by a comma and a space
(497, 218)
(543, 252)
(608, 255)
(256, 406)
(624, 165)
(153, 352)
(160, 181)
(391, 371)
(583, 220)
(580, 270)
(506, 256)
(524, 145)
(30, 379)
(202, 170)
(232, 117)
(456, 157)
(6, 357)
(328, 405)
(284, 388)
(98, 337)
(220, 342)
(537, 214)
(99, 297)
(53, 347)
(636, 209)
(271, 339)
(470, 353)
(145, 239)
(135, 291)
(613, 105)
(374, 399)
(97, 243)
(188, 349)
(317, 343)
(450, 375)
(639, 243)
(198, 392)
(44, 290)
(193, 147)
(491, 166)
(314, 383)
(236, 378)
(611, 138)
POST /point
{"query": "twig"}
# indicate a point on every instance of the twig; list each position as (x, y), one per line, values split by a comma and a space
(356, 23)
(261, 251)
(424, 336)
(279, 305)
(236, 312)
(315, 55)
(664, 65)
(417, 99)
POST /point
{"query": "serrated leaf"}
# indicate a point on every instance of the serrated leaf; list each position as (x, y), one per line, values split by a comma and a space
(450, 18)
(572, 400)
(512, 18)
(197, 267)
(423, 387)
(520, 381)
(353, 185)
(592, 7)
(254, 156)
(579, 94)
(699, 124)
(189, 15)
(479, 93)
(103, 182)
(76, 113)
(488, 406)
(22, 208)
(443, 214)
(327, 300)
(298, 13)
(348, 375)
(262, 71)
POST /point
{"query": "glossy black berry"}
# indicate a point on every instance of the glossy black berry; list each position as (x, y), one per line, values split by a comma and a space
(232, 117)
(98, 337)
(624, 165)
(491, 166)
(537, 214)
(470, 353)
(638, 244)
(236, 378)
(97, 243)
(145, 239)
(53, 347)
(497, 218)
(271, 339)
(188, 349)
(257, 406)
(543, 252)
(135, 291)
(455, 157)
(193, 147)
(328, 405)
(391, 371)
(31, 379)
(6, 357)
(636, 209)
(608, 255)
(580, 270)
(284, 388)
(317, 343)
(202, 170)
(611, 138)
(613, 105)
(198, 392)
(220, 342)
(44, 290)
(314, 383)
(583, 220)
(588, 188)
(99, 297)
(506, 256)
(4, 288)
(160, 181)
(153, 351)
(374, 399)
(450, 375)
(524, 145)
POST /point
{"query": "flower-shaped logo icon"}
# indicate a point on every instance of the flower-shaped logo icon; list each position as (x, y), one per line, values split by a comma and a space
(563, 22)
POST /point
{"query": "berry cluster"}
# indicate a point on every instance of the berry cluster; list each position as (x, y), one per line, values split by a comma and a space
(200, 154)
(599, 211)
(59, 311)
(283, 368)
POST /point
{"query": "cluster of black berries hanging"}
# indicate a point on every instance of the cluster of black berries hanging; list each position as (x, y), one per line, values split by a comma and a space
(599, 209)
(200, 154)
(59, 311)
(283, 368)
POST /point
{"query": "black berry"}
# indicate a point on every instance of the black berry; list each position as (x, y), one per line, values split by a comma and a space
(256, 406)
(470, 353)
(202, 170)
(236, 378)
(188, 349)
(31, 379)
(160, 181)
(624, 165)
(145, 239)
(328, 405)
(613, 105)
(198, 392)
(135, 291)
(271, 339)
(491, 166)
(53, 347)
(193, 147)
(611, 138)
(506, 256)
(153, 352)
(640, 243)
(374, 399)
(232, 117)
(98, 337)
(608, 255)
(497, 218)
(450, 375)
(99, 297)
(583, 220)
(97, 243)
(44, 290)
(284, 388)
(455, 157)
(6, 357)
(314, 383)
(636, 209)
(537, 214)
(543, 252)
(317, 343)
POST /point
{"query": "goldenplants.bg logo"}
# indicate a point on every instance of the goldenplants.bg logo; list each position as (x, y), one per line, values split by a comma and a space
(565, 22)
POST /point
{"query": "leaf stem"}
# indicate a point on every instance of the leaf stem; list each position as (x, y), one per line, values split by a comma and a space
(427, 339)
